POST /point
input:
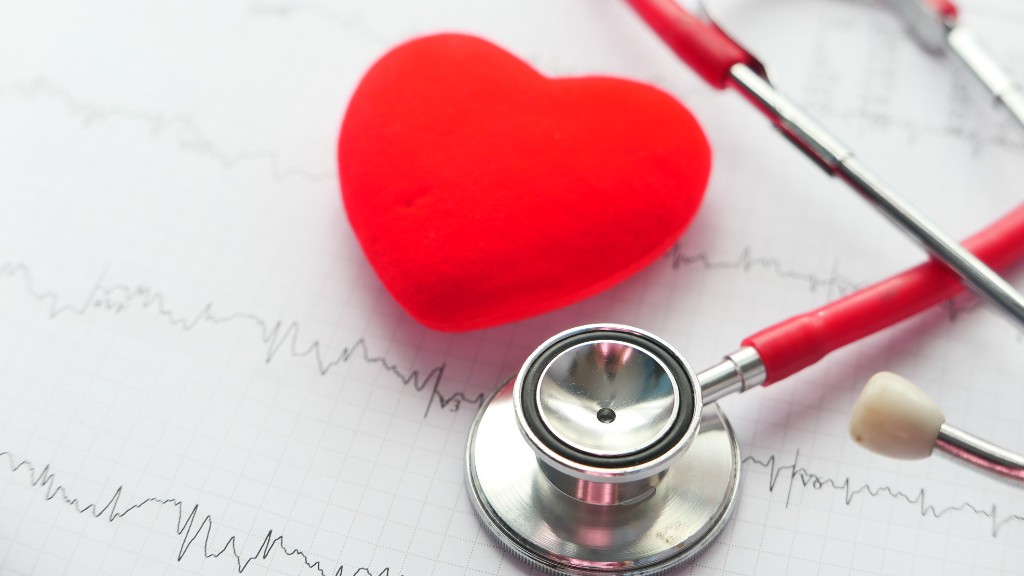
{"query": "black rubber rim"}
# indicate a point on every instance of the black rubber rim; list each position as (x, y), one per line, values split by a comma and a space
(674, 435)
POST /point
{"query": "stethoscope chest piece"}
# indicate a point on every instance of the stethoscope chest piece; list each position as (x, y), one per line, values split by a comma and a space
(597, 459)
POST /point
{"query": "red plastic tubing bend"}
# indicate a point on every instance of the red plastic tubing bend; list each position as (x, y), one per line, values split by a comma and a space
(945, 8)
(708, 50)
(794, 344)
(704, 48)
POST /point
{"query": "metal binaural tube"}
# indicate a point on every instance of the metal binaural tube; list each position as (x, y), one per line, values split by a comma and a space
(988, 457)
(924, 22)
(987, 70)
(934, 24)
(837, 160)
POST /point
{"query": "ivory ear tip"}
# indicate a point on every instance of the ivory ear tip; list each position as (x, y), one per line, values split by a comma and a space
(895, 418)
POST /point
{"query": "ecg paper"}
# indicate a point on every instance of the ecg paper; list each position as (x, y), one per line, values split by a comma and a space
(200, 374)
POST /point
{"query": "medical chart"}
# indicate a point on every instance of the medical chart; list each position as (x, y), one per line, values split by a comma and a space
(200, 373)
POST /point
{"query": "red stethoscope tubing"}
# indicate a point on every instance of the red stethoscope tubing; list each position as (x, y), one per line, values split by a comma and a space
(943, 8)
(704, 48)
(796, 343)
(708, 50)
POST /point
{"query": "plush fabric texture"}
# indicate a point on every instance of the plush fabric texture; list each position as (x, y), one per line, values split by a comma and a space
(483, 192)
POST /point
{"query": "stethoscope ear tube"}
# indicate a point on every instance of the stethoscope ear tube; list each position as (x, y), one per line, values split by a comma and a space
(708, 49)
(943, 8)
(934, 24)
(796, 343)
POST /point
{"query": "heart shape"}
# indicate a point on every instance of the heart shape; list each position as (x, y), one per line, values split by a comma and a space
(483, 192)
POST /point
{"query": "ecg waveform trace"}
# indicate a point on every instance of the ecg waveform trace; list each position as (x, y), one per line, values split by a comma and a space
(186, 527)
(192, 533)
(192, 136)
(797, 474)
(285, 336)
(276, 335)
(746, 261)
(351, 21)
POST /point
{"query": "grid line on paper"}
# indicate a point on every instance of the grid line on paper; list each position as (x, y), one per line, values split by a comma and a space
(178, 157)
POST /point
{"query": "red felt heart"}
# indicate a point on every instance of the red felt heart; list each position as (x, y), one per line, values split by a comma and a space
(483, 192)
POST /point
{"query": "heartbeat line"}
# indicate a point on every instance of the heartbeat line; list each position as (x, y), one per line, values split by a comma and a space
(191, 135)
(747, 262)
(795, 474)
(1002, 138)
(192, 533)
(194, 529)
(350, 21)
(873, 101)
(278, 336)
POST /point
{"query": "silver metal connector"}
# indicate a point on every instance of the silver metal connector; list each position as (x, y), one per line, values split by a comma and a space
(737, 372)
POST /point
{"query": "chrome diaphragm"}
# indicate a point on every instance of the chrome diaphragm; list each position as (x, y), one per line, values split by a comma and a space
(597, 459)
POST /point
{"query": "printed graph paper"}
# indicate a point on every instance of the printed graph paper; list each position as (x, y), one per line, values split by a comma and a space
(199, 373)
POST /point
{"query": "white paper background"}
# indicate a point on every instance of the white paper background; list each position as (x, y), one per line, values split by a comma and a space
(200, 374)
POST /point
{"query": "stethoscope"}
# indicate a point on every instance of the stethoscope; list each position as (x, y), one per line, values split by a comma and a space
(599, 456)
